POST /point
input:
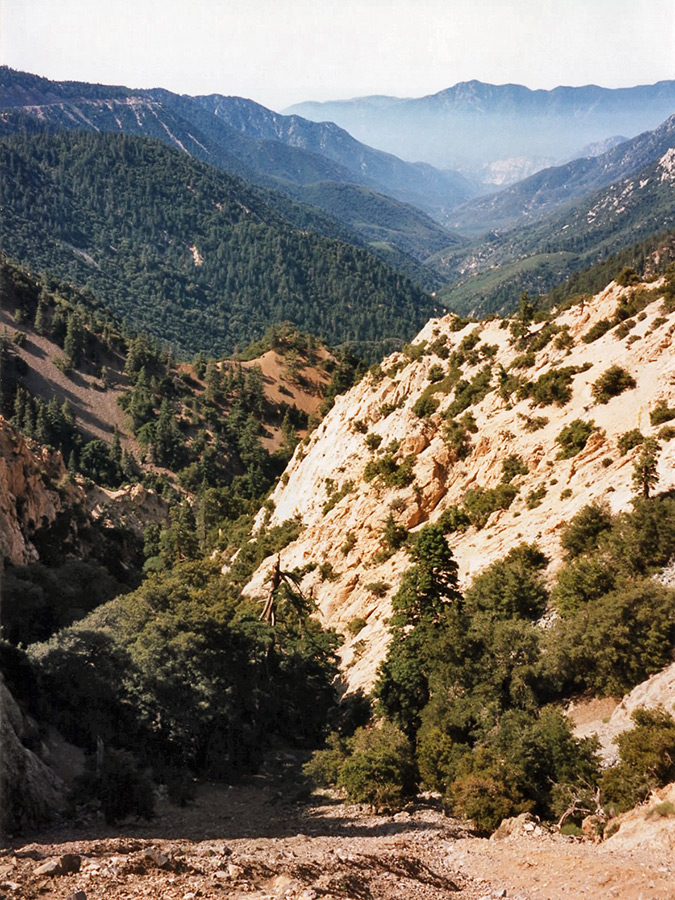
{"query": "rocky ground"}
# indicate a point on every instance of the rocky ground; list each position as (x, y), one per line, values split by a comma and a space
(248, 842)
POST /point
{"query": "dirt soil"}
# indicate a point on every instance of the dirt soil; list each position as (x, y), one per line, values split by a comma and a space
(246, 842)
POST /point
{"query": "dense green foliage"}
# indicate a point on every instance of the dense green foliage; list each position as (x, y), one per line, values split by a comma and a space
(469, 680)
(186, 673)
(185, 252)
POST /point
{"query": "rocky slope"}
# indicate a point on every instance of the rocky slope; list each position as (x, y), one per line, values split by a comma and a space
(35, 490)
(341, 546)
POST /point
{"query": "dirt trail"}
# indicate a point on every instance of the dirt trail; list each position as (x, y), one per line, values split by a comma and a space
(246, 842)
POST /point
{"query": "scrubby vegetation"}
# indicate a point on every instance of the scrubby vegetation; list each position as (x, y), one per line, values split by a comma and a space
(470, 687)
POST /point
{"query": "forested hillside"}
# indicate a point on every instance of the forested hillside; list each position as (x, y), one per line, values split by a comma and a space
(185, 252)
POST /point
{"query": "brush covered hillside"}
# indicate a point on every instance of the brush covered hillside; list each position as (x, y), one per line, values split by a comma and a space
(117, 464)
(490, 479)
(545, 254)
(286, 155)
(534, 197)
(185, 252)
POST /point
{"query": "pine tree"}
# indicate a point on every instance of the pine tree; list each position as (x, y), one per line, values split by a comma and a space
(645, 474)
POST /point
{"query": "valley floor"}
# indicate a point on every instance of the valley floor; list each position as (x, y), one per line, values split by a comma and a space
(247, 842)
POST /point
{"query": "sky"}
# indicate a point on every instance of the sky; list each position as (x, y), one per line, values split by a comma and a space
(280, 52)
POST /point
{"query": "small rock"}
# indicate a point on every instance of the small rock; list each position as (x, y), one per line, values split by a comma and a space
(159, 859)
(11, 886)
(78, 895)
(70, 862)
(497, 894)
(51, 868)
(234, 871)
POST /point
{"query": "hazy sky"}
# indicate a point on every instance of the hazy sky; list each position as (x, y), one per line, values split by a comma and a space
(282, 51)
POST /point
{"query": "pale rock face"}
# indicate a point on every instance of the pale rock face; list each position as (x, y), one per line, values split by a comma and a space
(332, 463)
(29, 790)
(34, 490)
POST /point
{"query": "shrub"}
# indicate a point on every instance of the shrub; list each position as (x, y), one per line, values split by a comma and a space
(469, 393)
(534, 498)
(533, 423)
(667, 433)
(611, 383)
(513, 586)
(629, 439)
(121, 788)
(379, 769)
(582, 581)
(324, 766)
(334, 496)
(647, 759)
(661, 413)
(480, 503)
(435, 373)
(393, 535)
(373, 441)
(582, 533)
(613, 643)
(596, 331)
(512, 466)
(573, 437)
(553, 387)
(349, 543)
(378, 588)
(355, 625)
(392, 473)
(627, 276)
(457, 438)
(425, 407)
(454, 518)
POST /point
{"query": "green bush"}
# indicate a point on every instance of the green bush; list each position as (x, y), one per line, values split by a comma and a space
(553, 387)
(513, 586)
(324, 766)
(573, 437)
(121, 788)
(512, 466)
(583, 580)
(480, 503)
(425, 407)
(630, 439)
(596, 331)
(379, 769)
(373, 441)
(392, 473)
(646, 760)
(661, 413)
(378, 588)
(611, 383)
(534, 498)
(627, 276)
(613, 643)
(582, 532)
(435, 373)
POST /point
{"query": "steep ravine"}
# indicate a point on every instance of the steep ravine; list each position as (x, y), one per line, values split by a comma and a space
(340, 547)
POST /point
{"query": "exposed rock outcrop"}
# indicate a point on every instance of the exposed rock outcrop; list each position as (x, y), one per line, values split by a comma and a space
(34, 491)
(30, 791)
(341, 545)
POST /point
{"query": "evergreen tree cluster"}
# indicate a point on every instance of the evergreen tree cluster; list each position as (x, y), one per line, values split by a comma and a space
(185, 252)
(469, 696)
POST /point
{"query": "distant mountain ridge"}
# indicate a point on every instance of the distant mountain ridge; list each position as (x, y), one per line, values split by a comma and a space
(489, 275)
(540, 194)
(242, 138)
(472, 123)
(187, 253)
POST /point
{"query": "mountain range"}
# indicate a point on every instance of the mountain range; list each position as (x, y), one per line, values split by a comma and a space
(247, 140)
(490, 130)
